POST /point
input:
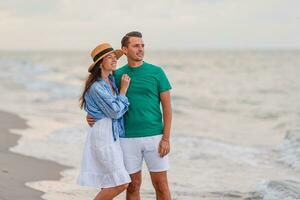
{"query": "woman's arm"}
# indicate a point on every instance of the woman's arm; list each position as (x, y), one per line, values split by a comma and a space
(112, 106)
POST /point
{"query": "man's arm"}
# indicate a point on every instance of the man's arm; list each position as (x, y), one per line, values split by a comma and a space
(164, 146)
(91, 121)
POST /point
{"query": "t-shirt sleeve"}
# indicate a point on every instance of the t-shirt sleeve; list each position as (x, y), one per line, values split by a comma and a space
(163, 82)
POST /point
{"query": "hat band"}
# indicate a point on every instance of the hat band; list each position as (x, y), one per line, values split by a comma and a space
(102, 53)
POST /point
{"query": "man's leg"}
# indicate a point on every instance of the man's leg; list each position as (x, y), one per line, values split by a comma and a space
(160, 184)
(133, 190)
(133, 158)
(157, 167)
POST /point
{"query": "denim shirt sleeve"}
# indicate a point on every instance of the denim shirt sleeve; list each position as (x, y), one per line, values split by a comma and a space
(112, 106)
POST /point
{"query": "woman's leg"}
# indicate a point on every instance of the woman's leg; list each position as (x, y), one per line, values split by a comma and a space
(110, 193)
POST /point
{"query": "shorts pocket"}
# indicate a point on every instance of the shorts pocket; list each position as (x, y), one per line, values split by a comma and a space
(156, 140)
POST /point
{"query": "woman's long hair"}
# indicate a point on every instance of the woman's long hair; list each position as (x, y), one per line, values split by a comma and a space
(92, 77)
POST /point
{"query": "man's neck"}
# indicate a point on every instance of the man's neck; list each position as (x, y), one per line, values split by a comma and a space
(134, 63)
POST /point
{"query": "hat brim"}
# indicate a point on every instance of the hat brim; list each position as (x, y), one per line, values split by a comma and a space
(118, 53)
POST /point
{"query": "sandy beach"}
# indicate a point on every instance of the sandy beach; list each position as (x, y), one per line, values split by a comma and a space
(16, 169)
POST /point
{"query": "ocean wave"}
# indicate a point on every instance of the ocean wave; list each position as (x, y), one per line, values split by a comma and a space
(289, 149)
(279, 190)
(35, 77)
(216, 149)
(266, 190)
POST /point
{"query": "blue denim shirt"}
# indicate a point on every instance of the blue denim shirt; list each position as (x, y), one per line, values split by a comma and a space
(102, 103)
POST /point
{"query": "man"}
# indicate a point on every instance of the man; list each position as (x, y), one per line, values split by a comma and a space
(147, 132)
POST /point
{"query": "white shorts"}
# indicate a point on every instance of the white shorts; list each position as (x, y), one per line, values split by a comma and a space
(137, 149)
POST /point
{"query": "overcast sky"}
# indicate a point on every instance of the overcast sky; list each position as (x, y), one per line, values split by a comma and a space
(165, 24)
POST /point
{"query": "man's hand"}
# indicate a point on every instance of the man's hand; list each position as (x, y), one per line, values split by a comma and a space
(164, 147)
(91, 121)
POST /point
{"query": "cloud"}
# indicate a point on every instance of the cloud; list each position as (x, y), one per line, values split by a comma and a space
(167, 24)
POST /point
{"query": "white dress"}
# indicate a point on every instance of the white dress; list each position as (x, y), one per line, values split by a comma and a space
(102, 161)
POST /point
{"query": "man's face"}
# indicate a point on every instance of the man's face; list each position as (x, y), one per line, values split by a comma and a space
(135, 49)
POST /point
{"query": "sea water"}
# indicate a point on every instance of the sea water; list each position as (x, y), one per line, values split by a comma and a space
(235, 130)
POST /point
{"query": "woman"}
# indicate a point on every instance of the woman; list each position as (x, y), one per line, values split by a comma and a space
(102, 163)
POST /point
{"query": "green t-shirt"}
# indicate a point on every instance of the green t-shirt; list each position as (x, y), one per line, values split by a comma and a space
(144, 117)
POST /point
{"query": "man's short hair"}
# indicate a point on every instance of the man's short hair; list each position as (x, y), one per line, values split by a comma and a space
(125, 39)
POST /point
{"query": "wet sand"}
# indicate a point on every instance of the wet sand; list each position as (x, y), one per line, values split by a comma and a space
(16, 169)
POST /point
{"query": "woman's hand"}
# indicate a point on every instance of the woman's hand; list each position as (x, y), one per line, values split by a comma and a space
(125, 80)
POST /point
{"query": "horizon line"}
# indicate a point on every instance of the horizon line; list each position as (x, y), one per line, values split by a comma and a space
(153, 50)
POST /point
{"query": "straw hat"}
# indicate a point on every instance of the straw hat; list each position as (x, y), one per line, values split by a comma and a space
(102, 50)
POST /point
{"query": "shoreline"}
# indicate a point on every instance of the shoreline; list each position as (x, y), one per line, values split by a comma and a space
(17, 169)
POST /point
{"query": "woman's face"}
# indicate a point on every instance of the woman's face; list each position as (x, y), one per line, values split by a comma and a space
(109, 62)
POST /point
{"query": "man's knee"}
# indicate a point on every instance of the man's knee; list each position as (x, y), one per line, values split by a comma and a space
(161, 186)
(134, 186)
